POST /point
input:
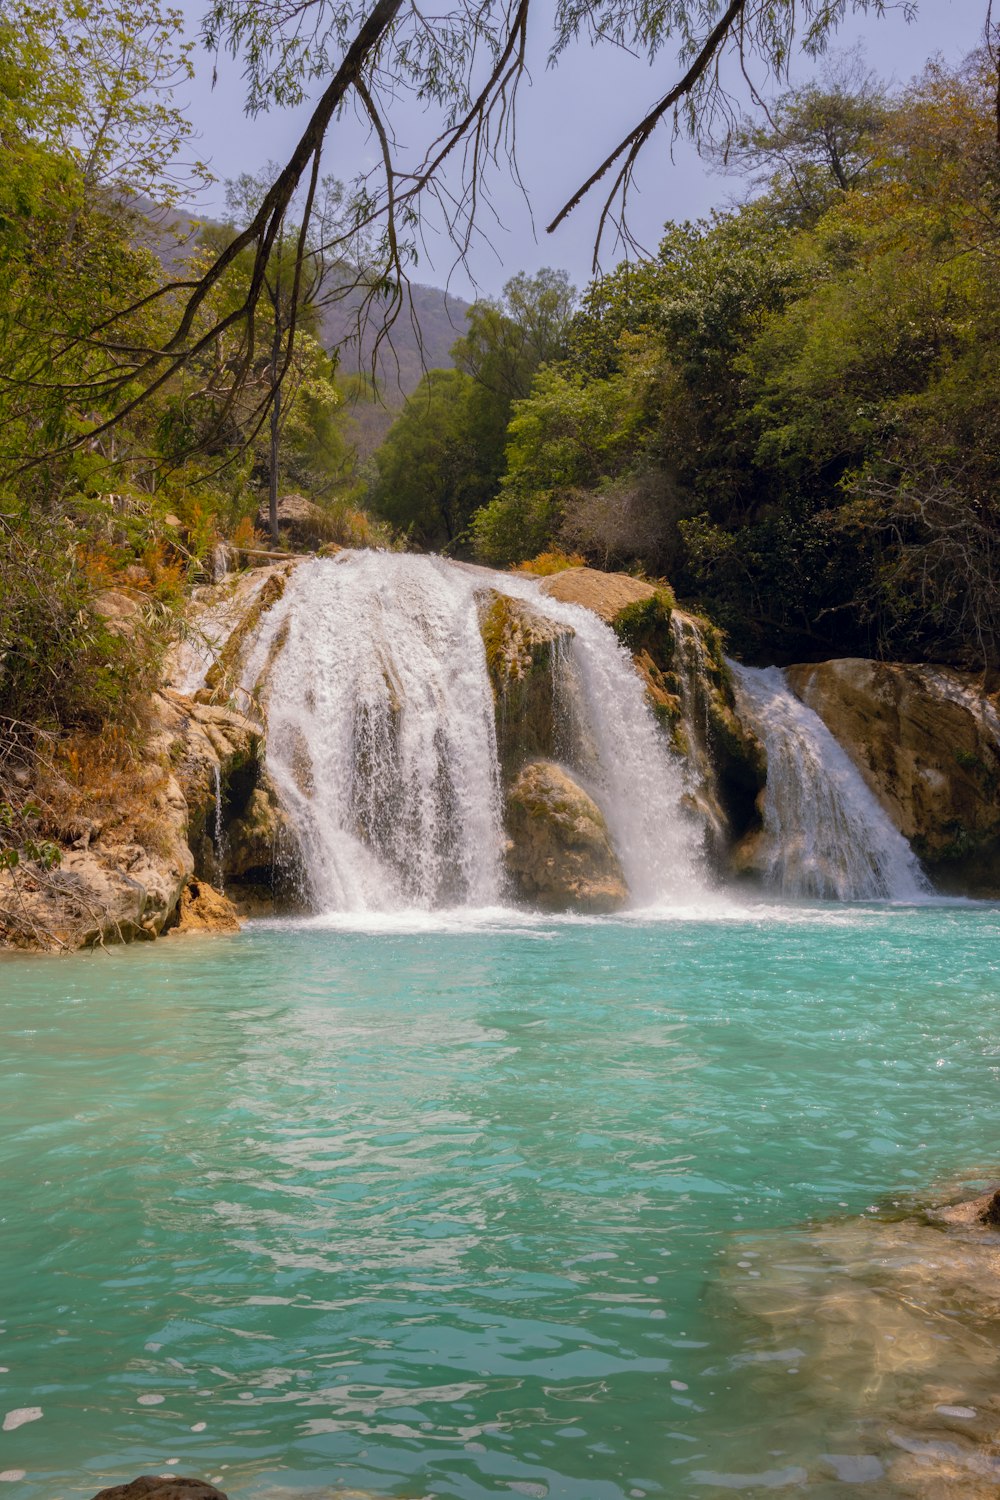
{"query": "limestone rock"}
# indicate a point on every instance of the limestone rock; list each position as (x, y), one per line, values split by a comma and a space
(302, 521)
(85, 900)
(607, 594)
(975, 1213)
(204, 909)
(261, 844)
(522, 649)
(162, 1487)
(679, 658)
(560, 856)
(927, 742)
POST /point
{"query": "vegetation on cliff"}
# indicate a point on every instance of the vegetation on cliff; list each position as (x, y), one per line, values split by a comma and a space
(791, 410)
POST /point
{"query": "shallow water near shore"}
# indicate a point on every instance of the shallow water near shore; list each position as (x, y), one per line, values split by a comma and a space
(489, 1205)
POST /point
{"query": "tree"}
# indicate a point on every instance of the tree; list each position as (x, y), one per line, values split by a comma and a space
(465, 65)
(428, 475)
(815, 143)
(507, 340)
(298, 284)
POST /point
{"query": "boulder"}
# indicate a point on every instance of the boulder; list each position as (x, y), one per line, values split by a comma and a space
(522, 650)
(91, 897)
(927, 742)
(607, 594)
(560, 855)
(204, 909)
(303, 522)
(162, 1487)
(973, 1213)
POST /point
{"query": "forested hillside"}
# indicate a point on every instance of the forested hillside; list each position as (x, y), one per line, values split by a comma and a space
(792, 412)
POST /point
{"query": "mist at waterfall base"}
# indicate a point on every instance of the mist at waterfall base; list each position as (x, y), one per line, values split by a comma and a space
(424, 1195)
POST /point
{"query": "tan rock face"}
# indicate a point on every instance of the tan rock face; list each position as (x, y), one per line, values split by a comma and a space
(204, 909)
(305, 523)
(560, 856)
(927, 742)
(106, 890)
(607, 594)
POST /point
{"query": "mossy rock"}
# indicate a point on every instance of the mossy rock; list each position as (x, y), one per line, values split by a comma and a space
(522, 649)
(560, 855)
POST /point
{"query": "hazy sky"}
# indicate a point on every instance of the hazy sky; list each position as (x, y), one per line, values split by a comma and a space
(568, 120)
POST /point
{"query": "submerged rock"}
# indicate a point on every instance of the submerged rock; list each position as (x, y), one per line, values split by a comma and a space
(972, 1213)
(927, 742)
(892, 1324)
(560, 856)
(162, 1487)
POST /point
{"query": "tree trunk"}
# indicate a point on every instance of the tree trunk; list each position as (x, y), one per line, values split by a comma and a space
(272, 478)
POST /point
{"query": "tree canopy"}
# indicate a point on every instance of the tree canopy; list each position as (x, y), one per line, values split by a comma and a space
(463, 66)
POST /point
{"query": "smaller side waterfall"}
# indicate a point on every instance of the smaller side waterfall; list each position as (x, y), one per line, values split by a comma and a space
(825, 833)
(219, 842)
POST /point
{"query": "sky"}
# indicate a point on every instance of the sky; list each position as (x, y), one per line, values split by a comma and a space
(568, 119)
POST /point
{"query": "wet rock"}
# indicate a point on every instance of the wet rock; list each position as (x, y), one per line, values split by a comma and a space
(560, 856)
(896, 1322)
(522, 657)
(204, 909)
(927, 742)
(982, 1212)
(680, 660)
(162, 1487)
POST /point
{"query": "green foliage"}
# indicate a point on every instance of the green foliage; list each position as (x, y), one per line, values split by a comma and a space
(18, 845)
(646, 620)
(793, 411)
(429, 473)
(443, 457)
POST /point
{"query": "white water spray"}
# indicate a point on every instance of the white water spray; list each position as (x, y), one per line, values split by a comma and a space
(381, 737)
(625, 759)
(382, 740)
(220, 832)
(825, 833)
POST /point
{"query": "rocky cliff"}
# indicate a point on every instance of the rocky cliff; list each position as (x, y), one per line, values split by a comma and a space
(926, 739)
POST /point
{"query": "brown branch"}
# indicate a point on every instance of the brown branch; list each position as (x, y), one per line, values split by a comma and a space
(637, 137)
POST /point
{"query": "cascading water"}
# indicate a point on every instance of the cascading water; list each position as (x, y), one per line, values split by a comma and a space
(219, 842)
(382, 739)
(825, 833)
(624, 756)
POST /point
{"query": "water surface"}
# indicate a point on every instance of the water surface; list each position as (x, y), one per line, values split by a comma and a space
(465, 1209)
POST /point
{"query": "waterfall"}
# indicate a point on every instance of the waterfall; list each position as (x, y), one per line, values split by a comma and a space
(825, 833)
(381, 737)
(219, 842)
(624, 757)
(382, 741)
